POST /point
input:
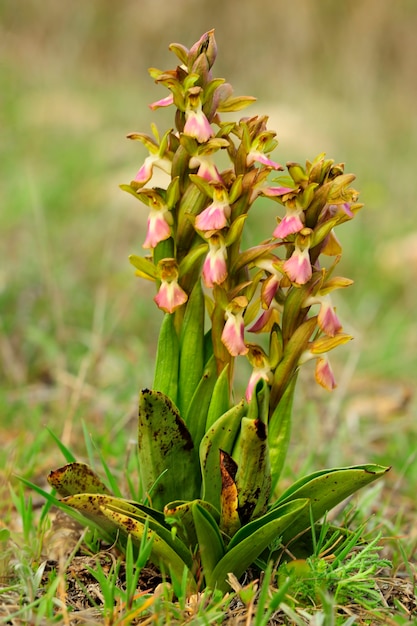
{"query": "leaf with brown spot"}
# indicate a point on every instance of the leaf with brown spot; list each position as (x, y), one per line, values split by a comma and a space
(106, 511)
(168, 460)
(325, 489)
(229, 516)
(76, 478)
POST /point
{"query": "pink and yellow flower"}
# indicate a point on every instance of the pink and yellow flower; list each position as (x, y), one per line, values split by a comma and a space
(324, 374)
(298, 266)
(234, 328)
(170, 295)
(256, 156)
(327, 319)
(164, 102)
(215, 266)
(159, 228)
(206, 168)
(292, 222)
(146, 171)
(261, 369)
(216, 215)
(196, 123)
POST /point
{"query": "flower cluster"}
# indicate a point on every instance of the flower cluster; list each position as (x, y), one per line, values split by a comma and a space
(279, 290)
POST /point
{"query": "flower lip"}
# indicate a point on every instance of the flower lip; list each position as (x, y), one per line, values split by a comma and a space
(215, 267)
(170, 295)
(216, 215)
(234, 328)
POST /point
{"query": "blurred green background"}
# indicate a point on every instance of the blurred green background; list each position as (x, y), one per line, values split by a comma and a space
(77, 332)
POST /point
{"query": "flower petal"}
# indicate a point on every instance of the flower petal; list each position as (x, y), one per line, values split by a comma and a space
(298, 266)
(233, 334)
(324, 374)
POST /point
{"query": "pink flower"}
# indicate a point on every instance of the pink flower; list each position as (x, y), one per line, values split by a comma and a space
(291, 223)
(206, 168)
(158, 227)
(170, 295)
(233, 331)
(298, 266)
(164, 102)
(215, 267)
(273, 192)
(327, 319)
(271, 283)
(197, 126)
(256, 156)
(267, 318)
(261, 369)
(324, 375)
(145, 172)
(255, 377)
(215, 216)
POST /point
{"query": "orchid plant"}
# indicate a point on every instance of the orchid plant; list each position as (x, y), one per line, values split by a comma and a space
(210, 461)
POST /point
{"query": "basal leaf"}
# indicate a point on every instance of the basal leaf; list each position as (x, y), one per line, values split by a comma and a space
(325, 489)
(252, 539)
(76, 478)
(169, 467)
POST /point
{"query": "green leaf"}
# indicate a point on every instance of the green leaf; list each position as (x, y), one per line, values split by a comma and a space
(325, 489)
(168, 460)
(210, 542)
(191, 348)
(200, 402)
(145, 268)
(279, 432)
(60, 504)
(253, 477)
(289, 362)
(179, 514)
(191, 259)
(107, 511)
(68, 455)
(220, 436)
(236, 103)
(220, 402)
(167, 359)
(181, 52)
(252, 539)
(76, 478)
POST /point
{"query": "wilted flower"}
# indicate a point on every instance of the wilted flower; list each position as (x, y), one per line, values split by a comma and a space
(324, 374)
